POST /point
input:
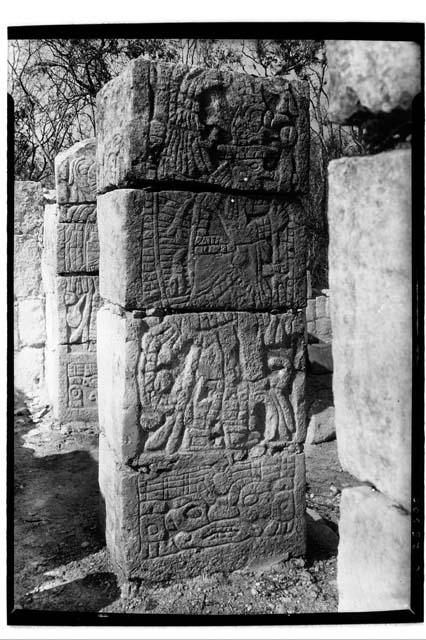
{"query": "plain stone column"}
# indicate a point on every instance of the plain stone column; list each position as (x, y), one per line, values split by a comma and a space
(71, 267)
(201, 336)
(370, 277)
(370, 280)
(29, 294)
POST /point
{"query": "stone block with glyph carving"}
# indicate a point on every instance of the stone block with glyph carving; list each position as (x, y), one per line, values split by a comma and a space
(201, 513)
(163, 123)
(77, 387)
(185, 250)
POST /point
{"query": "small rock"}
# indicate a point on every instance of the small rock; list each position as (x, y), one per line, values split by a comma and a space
(41, 413)
(334, 490)
(85, 544)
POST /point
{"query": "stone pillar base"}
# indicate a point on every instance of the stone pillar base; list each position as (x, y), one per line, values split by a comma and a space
(373, 570)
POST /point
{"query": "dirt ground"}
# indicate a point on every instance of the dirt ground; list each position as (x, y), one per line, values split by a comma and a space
(61, 563)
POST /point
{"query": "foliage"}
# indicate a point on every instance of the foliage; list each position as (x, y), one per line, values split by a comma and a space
(54, 84)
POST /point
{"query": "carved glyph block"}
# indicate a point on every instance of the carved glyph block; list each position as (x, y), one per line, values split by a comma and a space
(199, 382)
(77, 387)
(70, 246)
(77, 247)
(201, 513)
(183, 250)
(77, 212)
(75, 173)
(165, 122)
(71, 368)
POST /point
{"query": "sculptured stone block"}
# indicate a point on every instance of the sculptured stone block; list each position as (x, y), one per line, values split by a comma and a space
(164, 123)
(77, 247)
(77, 386)
(195, 251)
(197, 382)
(77, 212)
(201, 513)
(75, 173)
(72, 312)
(70, 246)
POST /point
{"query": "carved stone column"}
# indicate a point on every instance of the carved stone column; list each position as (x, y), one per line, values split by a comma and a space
(71, 267)
(201, 337)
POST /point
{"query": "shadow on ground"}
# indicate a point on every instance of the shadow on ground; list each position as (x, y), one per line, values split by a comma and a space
(58, 536)
(61, 563)
(91, 593)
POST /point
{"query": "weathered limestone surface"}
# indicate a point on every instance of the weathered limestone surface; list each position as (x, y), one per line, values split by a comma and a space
(320, 408)
(378, 76)
(70, 273)
(201, 513)
(75, 173)
(78, 247)
(318, 320)
(29, 295)
(321, 425)
(73, 306)
(370, 276)
(201, 343)
(373, 565)
(29, 371)
(30, 314)
(200, 395)
(27, 275)
(176, 123)
(190, 382)
(183, 250)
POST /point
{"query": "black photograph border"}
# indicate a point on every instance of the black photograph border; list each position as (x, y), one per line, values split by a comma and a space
(402, 31)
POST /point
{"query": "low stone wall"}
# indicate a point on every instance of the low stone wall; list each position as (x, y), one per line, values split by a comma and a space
(370, 281)
(29, 295)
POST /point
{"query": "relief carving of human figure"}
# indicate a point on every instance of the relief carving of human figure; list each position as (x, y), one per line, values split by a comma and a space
(279, 418)
(78, 304)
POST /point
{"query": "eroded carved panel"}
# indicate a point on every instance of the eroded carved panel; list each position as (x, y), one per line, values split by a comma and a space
(77, 386)
(200, 506)
(77, 213)
(193, 251)
(78, 302)
(173, 122)
(75, 172)
(82, 385)
(78, 247)
(231, 381)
